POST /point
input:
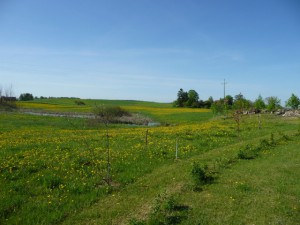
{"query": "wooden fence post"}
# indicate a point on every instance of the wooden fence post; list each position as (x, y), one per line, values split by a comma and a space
(176, 153)
(146, 138)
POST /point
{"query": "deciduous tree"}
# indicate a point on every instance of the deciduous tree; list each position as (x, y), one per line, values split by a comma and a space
(293, 102)
(193, 98)
(273, 103)
(26, 97)
(241, 103)
(259, 103)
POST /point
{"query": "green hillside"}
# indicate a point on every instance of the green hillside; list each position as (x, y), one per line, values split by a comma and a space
(193, 169)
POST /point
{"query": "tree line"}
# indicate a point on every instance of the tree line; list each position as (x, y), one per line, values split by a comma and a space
(191, 99)
(238, 102)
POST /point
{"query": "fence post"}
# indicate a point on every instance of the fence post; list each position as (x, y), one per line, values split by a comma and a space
(259, 121)
(176, 153)
(146, 138)
(108, 176)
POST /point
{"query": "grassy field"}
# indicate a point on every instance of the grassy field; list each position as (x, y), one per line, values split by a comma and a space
(53, 169)
(163, 112)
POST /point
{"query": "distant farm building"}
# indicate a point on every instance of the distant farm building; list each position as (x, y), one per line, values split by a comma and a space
(7, 99)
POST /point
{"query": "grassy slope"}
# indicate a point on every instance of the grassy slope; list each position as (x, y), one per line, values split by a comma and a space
(243, 193)
(261, 191)
(232, 199)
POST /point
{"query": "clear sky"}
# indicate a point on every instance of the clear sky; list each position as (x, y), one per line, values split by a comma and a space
(149, 49)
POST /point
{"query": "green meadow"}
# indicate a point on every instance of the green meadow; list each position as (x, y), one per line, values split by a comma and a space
(194, 168)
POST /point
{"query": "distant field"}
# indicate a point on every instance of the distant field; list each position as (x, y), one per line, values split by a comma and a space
(53, 169)
(163, 112)
(63, 103)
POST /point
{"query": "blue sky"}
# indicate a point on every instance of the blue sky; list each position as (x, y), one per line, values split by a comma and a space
(149, 49)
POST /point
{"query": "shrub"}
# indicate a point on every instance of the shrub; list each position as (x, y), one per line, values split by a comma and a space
(110, 111)
(201, 175)
(249, 152)
(284, 137)
(78, 102)
(264, 143)
(167, 211)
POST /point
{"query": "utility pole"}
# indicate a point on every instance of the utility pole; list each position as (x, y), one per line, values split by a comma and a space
(224, 83)
(225, 108)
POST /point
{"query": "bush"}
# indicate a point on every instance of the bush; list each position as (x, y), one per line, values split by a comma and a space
(284, 137)
(249, 152)
(110, 111)
(264, 143)
(167, 211)
(78, 102)
(201, 175)
(109, 114)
